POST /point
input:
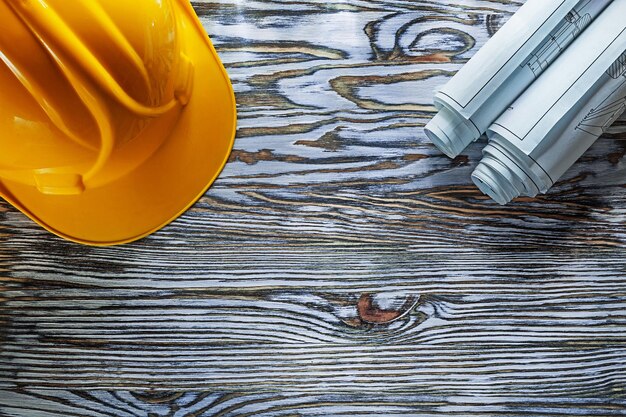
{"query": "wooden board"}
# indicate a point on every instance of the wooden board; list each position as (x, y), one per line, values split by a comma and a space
(341, 264)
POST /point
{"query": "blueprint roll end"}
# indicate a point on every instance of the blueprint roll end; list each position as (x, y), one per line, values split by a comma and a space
(450, 133)
(499, 177)
(494, 184)
(502, 175)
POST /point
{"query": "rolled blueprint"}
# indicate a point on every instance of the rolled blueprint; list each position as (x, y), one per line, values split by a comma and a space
(560, 115)
(502, 69)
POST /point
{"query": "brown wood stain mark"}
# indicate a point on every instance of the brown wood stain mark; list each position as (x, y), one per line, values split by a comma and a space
(265, 98)
(297, 128)
(266, 62)
(267, 80)
(252, 158)
(330, 141)
(347, 86)
(400, 125)
(412, 157)
(293, 52)
(460, 160)
(434, 57)
(370, 313)
(286, 48)
(376, 166)
(615, 157)
(294, 128)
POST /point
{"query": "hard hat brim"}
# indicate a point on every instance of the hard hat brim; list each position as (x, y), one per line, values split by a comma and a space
(167, 184)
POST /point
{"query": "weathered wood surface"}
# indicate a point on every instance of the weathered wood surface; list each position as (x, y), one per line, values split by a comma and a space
(192, 404)
(340, 253)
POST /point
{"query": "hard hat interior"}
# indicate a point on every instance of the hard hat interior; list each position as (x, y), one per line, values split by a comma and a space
(30, 139)
(138, 49)
(35, 104)
(62, 109)
(187, 149)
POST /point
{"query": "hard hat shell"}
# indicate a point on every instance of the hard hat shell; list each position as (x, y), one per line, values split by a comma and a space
(115, 116)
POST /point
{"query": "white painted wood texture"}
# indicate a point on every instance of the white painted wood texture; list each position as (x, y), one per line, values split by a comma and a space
(341, 265)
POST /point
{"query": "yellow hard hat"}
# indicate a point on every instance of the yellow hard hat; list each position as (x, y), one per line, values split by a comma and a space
(115, 116)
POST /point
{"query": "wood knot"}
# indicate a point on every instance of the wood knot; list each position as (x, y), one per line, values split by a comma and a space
(384, 308)
(460, 160)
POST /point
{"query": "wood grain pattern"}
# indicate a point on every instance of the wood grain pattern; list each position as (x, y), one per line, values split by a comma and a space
(341, 265)
(198, 404)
